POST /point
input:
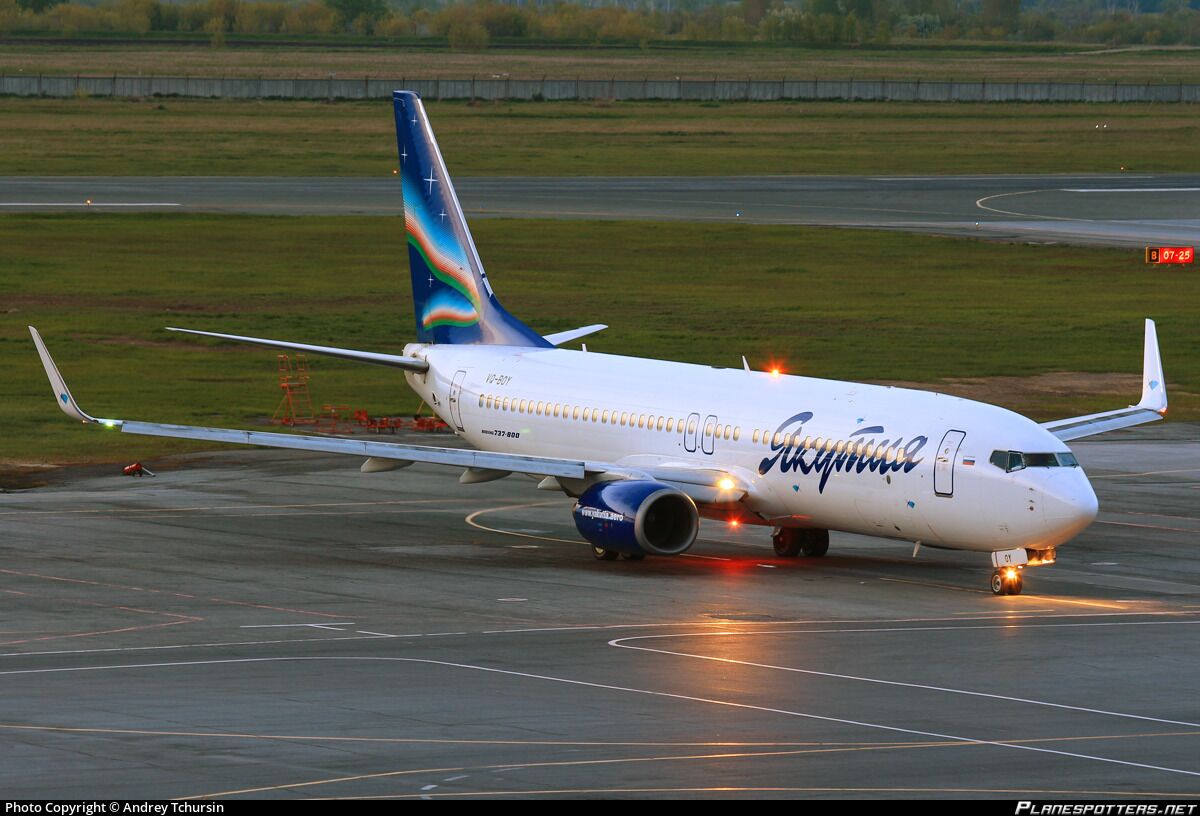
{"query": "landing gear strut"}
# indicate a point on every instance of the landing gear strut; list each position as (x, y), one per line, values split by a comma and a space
(1007, 582)
(792, 541)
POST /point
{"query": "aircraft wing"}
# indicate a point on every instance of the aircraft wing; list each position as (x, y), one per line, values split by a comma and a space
(394, 360)
(1151, 407)
(705, 486)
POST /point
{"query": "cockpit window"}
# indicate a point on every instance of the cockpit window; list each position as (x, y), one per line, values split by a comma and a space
(1007, 460)
(1016, 460)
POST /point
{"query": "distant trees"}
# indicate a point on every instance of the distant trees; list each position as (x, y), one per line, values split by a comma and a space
(358, 15)
(474, 24)
(1000, 17)
(36, 6)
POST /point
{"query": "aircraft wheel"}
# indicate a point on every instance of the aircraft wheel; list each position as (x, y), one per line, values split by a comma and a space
(815, 543)
(633, 556)
(787, 542)
(1015, 587)
(602, 554)
(999, 586)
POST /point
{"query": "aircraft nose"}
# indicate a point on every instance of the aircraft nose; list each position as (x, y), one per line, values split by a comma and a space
(1069, 508)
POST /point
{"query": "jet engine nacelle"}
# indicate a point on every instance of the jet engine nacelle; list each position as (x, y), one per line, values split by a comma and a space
(637, 517)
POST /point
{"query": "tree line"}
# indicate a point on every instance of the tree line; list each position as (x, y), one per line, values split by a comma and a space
(474, 25)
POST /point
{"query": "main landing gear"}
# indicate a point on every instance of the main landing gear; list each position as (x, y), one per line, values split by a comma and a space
(1007, 581)
(792, 541)
(602, 554)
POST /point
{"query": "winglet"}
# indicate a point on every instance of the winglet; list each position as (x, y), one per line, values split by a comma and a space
(62, 394)
(1154, 386)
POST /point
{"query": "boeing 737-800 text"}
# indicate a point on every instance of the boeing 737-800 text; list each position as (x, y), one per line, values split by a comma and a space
(647, 447)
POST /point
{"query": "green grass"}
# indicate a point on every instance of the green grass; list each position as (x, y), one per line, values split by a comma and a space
(918, 59)
(842, 304)
(277, 138)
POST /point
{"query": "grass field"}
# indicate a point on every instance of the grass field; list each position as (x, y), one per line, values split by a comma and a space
(844, 304)
(209, 137)
(919, 60)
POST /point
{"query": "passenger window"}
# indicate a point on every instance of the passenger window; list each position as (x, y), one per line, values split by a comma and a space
(604, 417)
(575, 412)
(708, 429)
(661, 424)
(870, 450)
(506, 403)
(691, 426)
(670, 423)
(754, 436)
(777, 440)
(641, 420)
(737, 433)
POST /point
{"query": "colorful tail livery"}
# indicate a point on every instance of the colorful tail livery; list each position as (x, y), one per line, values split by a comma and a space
(453, 300)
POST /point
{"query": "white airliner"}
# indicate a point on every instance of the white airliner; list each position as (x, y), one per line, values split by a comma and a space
(647, 447)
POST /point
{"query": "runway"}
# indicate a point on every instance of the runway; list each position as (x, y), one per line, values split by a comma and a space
(1117, 210)
(280, 625)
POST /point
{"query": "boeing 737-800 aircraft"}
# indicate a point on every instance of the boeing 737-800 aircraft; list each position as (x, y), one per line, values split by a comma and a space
(647, 447)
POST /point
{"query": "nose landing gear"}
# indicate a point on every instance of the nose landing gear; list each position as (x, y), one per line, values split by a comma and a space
(1007, 581)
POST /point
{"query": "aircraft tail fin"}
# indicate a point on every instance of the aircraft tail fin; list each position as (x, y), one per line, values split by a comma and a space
(453, 300)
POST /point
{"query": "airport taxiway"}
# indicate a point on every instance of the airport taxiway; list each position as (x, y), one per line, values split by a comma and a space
(272, 624)
(1119, 210)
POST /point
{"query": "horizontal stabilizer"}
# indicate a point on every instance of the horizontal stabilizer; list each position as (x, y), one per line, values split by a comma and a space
(1151, 408)
(558, 338)
(393, 360)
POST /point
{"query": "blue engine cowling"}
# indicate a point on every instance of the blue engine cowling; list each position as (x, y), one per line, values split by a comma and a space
(637, 517)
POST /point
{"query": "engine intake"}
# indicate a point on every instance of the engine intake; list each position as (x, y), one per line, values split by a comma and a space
(637, 517)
